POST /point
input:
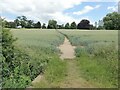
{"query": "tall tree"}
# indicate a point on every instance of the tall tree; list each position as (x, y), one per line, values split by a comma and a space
(21, 21)
(67, 26)
(60, 26)
(17, 22)
(112, 21)
(4, 23)
(11, 24)
(37, 25)
(52, 24)
(73, 25)
(29, 24)
(44, 26)
(84, 24)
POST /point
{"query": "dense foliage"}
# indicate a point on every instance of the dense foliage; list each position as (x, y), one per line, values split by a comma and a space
(15, 70)
(84, 24)
(52, 24)
(37, 25)
(67, 26)
(73, 25)
(112, 21)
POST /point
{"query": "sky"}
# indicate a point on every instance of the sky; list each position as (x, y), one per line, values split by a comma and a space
(61, 10)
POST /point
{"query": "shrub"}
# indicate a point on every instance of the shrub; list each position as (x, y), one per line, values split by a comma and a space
(18, 69)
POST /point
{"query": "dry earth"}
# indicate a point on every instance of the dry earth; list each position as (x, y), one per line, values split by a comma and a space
(67, 50)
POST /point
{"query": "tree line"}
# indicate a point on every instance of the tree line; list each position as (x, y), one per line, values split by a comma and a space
(23, 22)
(110, 21)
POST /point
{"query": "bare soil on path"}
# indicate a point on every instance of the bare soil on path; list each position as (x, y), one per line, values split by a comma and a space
(67, 50)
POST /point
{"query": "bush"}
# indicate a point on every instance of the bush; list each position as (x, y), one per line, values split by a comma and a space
(19, 68)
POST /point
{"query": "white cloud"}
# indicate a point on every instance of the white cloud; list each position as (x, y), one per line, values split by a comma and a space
(97, 6)
(112, 8)
(43, 10)
(86, 10)
(63, 18)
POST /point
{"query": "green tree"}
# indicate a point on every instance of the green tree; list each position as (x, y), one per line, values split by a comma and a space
(44, 26)
(67, 26)
(11, 24)
(84, 24)
(3, 22)
(112, 21)
(60, 26)
(17, 22)
(37, 25)
(73, 25)
(29, 24)
(52, 24)
(21, 21)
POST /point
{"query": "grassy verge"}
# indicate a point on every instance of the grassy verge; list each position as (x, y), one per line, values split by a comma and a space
(55, 72)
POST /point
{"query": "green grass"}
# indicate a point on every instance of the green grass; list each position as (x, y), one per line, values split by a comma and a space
(97, 59)
(42, 42)
(42, 45)
(83, 38)
(55, 70)
(96, 70)
(54, 74)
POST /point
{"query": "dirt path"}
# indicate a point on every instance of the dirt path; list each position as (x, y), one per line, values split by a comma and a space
(67, 50)
(73, 78)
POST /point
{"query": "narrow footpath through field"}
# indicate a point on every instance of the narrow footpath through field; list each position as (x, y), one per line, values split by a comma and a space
(67, 50)
(73, 78)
